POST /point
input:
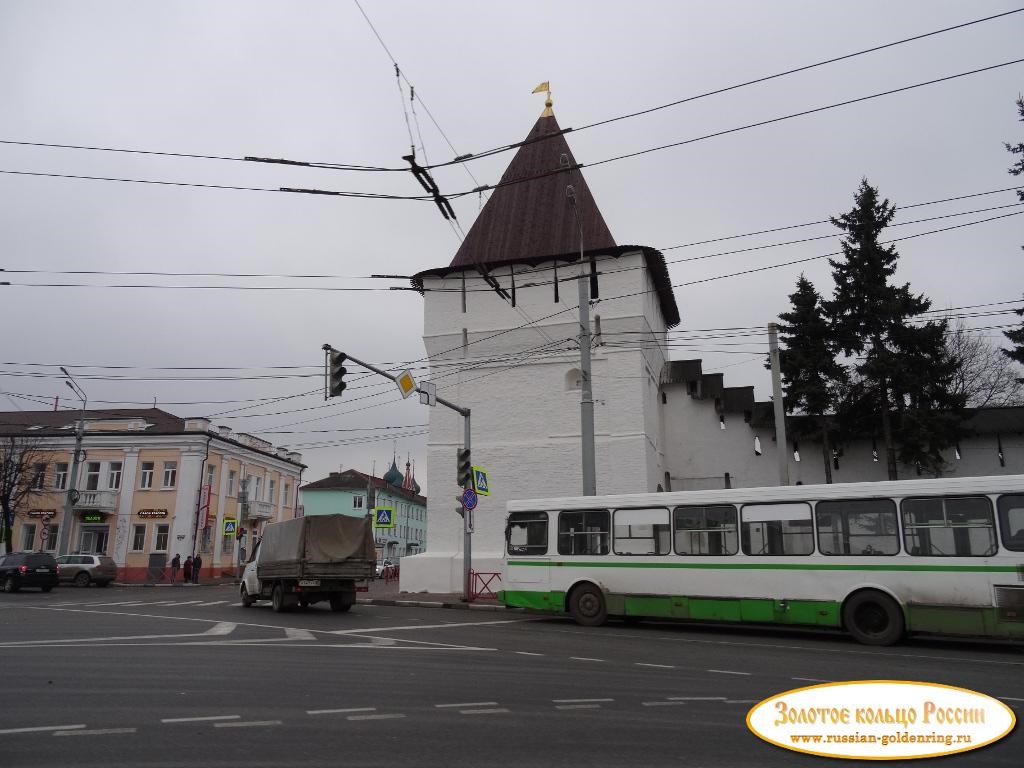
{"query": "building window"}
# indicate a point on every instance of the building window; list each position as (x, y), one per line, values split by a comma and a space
(231, 482)
(206, 540)
(50, 545)
(357, 502)
(138, 537)
(162, 532)
(60, 476)
(227, 543)
(114, 476)
(211, 475)
(147, 475)
(272, 492)
(256, 496)
(28, 536)
(287, 494)
(92, 476)
(170, 474)
(38, 476)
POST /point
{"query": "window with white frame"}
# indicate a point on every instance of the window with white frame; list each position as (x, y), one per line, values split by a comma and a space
(38, 476)
(170, 474)
(114, 476)
(357, 502)
(138, 537)
(287, 494)
(272, 492)
(146, 477)
(92, 476)
(232, 476)
(60, 476)
(256, 489)
(227, 543)
(162, 533)
(28, 536)
(206, 540)
(52, 530)
(211, 475)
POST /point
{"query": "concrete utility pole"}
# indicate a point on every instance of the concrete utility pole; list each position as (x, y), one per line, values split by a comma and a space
(467, 531)
(586, 392)
(71, 495)
(782, 447)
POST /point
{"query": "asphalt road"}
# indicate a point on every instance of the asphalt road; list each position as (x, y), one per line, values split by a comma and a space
(185, 676)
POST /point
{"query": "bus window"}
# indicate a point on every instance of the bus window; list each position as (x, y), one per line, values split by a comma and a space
(857, 527)
(705, 530)
(527, 533)
(641, 532)
(583, 533)
(777, 529)
(949, 527)
(1011, 520)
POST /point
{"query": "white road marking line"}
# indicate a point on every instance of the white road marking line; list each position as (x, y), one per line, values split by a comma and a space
(742, 701)
(185, 602)
(656, 666)
(498, 711)
(199, 719)
(663, 703)
(528, 653)
(696, 698)
(294, 633)
(215, 602)
(374, 717)
(97, 732)
(728, 672)
(247, 724)
(429, 626)
(219, 629)
(468, 704)
(579, 701)
(40, 728)
(811, 680)
(577, 706)
(339, 711)
(584, 658)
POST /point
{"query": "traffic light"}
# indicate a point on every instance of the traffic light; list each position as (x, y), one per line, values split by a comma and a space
(336, 376)
(465, 468)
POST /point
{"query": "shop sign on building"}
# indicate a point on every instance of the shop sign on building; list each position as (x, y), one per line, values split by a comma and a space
(152, 513)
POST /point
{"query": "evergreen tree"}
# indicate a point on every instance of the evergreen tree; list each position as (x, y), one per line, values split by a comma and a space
(1016, 336)
(903, 368)
(811, 375)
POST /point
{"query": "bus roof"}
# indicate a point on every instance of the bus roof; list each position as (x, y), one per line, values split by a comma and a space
(878, 489)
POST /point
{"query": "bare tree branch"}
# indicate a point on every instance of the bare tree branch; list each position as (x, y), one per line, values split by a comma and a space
(985, 375)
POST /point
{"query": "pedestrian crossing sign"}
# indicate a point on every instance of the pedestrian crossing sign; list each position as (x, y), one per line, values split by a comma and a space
(480, 484)
(230, 526)
(383, 517)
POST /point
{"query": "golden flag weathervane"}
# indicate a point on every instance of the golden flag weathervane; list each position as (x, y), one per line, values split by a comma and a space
(545, 86)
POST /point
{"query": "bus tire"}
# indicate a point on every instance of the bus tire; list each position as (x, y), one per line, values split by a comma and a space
(873, 618)
(586, 604)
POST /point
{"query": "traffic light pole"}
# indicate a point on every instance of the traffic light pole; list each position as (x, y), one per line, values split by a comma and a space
(467, 534)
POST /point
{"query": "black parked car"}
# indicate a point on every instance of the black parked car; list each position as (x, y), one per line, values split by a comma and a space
(28, 569)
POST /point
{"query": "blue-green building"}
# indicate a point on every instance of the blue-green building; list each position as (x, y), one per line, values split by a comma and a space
(347, 492)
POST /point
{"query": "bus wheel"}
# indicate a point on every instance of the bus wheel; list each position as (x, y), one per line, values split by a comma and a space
(873, 618)
(586, 604)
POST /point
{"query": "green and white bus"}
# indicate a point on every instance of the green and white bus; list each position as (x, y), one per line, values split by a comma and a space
(876, 559)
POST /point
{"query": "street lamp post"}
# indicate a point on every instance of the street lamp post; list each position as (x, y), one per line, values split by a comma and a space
(64, 537)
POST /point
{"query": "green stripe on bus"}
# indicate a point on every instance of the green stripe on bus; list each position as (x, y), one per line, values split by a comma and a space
(768, 566)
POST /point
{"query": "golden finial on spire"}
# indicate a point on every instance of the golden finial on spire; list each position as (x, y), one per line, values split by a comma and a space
(545, 86)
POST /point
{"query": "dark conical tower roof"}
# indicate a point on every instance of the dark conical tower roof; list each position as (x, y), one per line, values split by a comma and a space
(528, 219)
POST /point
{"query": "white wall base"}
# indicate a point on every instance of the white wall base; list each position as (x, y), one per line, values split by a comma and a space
(441, 572)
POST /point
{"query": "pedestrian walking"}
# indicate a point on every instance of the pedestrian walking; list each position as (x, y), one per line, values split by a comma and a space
(188, 569)
(175, 567)
(197, 566)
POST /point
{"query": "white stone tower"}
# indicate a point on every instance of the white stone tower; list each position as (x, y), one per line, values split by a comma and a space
(500, 329)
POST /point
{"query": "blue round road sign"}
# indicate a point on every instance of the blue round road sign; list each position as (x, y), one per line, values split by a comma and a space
(469, 498)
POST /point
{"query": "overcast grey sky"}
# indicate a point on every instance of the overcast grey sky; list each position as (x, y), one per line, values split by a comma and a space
(310, 81)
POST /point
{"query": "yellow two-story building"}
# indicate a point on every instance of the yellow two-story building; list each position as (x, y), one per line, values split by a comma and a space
(149, 485)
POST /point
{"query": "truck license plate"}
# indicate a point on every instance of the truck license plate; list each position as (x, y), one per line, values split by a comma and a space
(309, 582)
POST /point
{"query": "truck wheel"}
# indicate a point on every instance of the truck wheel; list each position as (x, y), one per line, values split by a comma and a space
(277, 599)
(873, 618)
(340, 604)
(247, 601)
(586, 604)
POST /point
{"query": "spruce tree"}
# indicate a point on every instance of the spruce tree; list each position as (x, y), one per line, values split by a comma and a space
(1016, 336)
(811, 375)
(903, 370)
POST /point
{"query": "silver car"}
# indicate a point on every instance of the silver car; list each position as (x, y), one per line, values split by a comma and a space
(83, 570)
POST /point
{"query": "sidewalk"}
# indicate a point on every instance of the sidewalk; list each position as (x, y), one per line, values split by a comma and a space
(380, 593)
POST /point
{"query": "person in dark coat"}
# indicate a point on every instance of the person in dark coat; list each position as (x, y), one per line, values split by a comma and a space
(188, 569)
(175, 567)
(197, 566)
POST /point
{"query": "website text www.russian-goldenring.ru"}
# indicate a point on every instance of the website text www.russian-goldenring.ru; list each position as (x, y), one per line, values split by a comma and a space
(885, 739)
